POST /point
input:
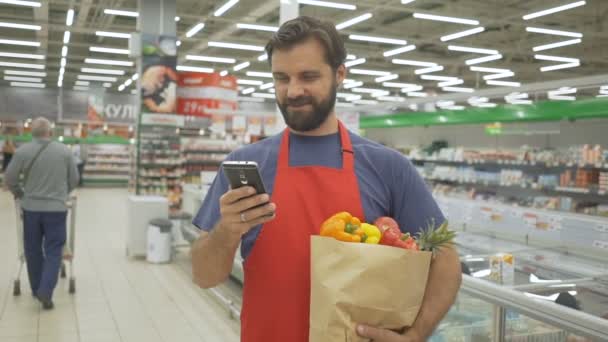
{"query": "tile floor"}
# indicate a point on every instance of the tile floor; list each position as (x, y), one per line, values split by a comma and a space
(117, 298)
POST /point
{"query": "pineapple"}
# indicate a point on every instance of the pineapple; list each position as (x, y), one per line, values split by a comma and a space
(432, 239)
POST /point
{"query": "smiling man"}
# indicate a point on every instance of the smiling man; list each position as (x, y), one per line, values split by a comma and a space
(312, 170)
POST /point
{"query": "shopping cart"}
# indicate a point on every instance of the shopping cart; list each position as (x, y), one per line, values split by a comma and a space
(68, 249)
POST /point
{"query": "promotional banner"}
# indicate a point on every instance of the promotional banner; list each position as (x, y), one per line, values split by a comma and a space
(159, 77)
(199, 92)
(95, 105)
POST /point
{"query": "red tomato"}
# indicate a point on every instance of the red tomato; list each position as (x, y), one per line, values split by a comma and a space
(383, 223)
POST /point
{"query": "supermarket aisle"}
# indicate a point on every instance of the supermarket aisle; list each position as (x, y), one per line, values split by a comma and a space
(117, 299)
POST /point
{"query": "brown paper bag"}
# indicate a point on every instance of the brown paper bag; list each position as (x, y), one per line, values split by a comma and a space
(355, 283)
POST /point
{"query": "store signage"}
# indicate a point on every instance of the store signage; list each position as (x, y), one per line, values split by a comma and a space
(159, 76)
(198, 93)
(162, 119)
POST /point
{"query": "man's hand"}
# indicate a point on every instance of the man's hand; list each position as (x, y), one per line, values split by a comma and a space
(242, 210)
(385, 335)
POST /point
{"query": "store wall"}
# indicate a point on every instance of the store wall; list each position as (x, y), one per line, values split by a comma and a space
(570, 133)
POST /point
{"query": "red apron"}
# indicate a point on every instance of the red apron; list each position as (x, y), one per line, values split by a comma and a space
(276, 294)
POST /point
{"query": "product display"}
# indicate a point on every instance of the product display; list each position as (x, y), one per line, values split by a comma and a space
(107, 164)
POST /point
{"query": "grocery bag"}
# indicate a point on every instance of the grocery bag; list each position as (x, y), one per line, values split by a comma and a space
(357, 283)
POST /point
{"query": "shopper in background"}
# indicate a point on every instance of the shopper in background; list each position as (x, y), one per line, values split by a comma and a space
(8, 149)
(313, 169)
(49, 175)
(80, 153)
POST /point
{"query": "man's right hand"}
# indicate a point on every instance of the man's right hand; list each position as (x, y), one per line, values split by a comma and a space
(240, 212)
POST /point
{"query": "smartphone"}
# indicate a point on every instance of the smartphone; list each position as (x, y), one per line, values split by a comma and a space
(244, 173)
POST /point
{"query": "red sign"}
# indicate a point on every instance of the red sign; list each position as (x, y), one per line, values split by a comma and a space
(198, 93)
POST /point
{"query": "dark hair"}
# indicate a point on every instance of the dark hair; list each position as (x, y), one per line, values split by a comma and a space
(297, 30)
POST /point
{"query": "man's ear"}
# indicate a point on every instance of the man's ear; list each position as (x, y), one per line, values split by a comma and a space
(340, 74)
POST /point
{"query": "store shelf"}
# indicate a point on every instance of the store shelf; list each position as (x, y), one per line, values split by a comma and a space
(513, 163)
(219, 151)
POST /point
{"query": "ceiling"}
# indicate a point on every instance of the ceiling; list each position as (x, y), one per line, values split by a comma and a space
(504, 31)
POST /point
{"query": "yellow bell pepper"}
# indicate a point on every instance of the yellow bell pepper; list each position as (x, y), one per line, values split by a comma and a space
(372, 233)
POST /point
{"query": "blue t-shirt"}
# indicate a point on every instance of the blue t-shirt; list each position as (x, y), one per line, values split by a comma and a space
(389, 184)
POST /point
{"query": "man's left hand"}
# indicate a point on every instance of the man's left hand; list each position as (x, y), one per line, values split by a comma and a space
(385, 335)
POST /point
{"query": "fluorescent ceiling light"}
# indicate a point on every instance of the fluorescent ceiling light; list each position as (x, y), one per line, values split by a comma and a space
(194, 69)
(21, 55)
(177, 18)
(556, 58)
(113, 34)
(352, 85)
(236, 46)
(28, 85)
(108, 62)
(445, 103)
(556, 45)
(398, 85)
(259, 74)
(348, 80)
(553, 10)
(211, 59)
(446, 19)
(413, 63)
(64, 51)
(121, 13)
(405, 2)
(225, 7)
(386, 78)
(560, 93)
(250, 82)
(555, 32)
(19, 42)
(249, 99)
(21, 26)
(481, 273)
(391, 98)
(63, 62)
(103, 71)
(121, 87)
(428, 70)
(328, 4)
(257, 27)
(224, 73)
(25, 73)
(241, 66)
(462, 34)
(351, 57)
(368, 90)
(22, 65)
(492, 70)
(353, 98)
(450, 83)
(82, 83)
(504, 83)
(135, 77)
(178, 43)
(399, 50)
(344, 104)
(262, 57)
(354, 62)
(267, 85)
(380, 93)
(248, 91)
(60, 82)
(369, 72)
(21, 3)
(81, 88)
(66, 37)
(263, 95)
(353, 21)
(128, 82)
(484, 59)
(366, 102)
(194, 30)
(560, 66)
(377, 39)
(417, 94)
(109, 50)
(69, 18)
(413, 88)
(22, 79)
(443, 119)
(343, 95)
(458, 89)
(438, 78)
(96, 78)
(472, 50)
(499, 75)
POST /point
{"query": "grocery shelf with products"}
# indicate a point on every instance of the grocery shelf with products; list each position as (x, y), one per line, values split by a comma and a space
(573, 179)
(204, 154)
(107, 164)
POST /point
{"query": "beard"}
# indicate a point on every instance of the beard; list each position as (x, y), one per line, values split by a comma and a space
(308, 120)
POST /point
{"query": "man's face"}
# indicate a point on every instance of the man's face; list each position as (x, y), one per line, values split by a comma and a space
(305, 85)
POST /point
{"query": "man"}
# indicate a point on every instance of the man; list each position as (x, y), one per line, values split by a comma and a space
(49, 175)
(311, 171)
